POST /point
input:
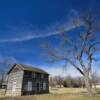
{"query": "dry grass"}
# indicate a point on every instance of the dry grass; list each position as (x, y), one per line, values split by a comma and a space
(67, 90)
(54, 97)
(58, 94)
(2, 92)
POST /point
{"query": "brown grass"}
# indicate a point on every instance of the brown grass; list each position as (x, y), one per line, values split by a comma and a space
(58, 94)
(53, 97)
(68, 90)
(2, 92)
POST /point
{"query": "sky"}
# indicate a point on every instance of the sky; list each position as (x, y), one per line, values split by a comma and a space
(26, 24)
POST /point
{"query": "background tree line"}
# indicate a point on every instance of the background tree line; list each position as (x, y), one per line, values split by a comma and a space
(72, 82)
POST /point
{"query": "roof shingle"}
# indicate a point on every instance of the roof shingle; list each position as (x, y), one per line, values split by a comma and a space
(29, 68)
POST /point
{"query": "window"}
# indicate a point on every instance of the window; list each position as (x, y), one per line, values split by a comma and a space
(38, 75)
(25, 87)
(28, 74)
(42, 75)
(41, 86)
(33, 75)
(44, 86)
(14, 86)
(34, 86)
(29, 86)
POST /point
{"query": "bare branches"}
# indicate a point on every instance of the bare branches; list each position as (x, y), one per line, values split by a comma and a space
(92, 46)
(58, 57)
(81, 49)
(78, 49)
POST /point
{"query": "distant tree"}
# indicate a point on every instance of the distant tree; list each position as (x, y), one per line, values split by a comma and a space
(6, 64)
(68, 81)
(56, 81)
(78, 51)
(83, 82)
(78, 82)
(52, 82)
(0, 79)
(94, 79)
(59, 80)
(74, 82)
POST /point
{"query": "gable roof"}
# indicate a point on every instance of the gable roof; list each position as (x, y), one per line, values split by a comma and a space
(28, 68)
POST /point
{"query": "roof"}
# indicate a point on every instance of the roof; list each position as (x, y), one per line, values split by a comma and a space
(29, 68)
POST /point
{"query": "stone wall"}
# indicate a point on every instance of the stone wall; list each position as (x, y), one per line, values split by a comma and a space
(14, 84)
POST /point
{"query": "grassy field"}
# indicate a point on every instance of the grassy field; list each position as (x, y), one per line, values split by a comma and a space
(68, 90)
(2, 92)
(58, 94)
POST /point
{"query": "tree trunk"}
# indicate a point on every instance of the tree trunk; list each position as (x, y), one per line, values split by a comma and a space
(88, 85)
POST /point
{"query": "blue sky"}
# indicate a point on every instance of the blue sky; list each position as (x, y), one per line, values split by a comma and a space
(25, 24)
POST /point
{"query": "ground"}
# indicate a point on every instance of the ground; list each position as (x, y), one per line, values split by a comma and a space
(58, 94)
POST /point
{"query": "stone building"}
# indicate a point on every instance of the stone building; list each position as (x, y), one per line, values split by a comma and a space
(26, 80)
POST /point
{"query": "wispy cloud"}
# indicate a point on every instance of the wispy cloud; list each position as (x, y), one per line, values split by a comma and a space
(50, 31)
(33, 36)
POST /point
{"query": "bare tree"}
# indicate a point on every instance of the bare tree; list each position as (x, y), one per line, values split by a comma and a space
(73, 82)
(68, 81)
(56, 81)
(94, 79)
(52, 82)
(0, 79)
(6, 64)
(59, 80)
(78, 51)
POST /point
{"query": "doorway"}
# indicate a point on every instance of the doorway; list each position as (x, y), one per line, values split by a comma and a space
(14, 87)
(37, 90)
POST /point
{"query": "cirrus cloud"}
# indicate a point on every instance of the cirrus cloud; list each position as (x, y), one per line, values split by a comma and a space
(29, 34)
